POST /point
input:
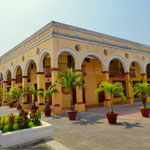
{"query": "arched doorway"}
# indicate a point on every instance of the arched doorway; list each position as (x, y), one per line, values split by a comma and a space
(135, 71)
(65, 61)
(1, 80)
(135, 75)
(32, 78)
(116, 74)
(18, 76)
(92, 70)
(148, 72)
(116, 69)
(47, 66)
(47, 73)
(8, 77)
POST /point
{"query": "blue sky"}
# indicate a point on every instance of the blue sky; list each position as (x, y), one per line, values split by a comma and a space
(128, 19)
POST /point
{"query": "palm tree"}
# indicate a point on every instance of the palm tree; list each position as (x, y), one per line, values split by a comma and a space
(111, 89)
(69, 81)
(16, 93)
(142, 90)
(34, 92)
(48, 94)
(8, 96)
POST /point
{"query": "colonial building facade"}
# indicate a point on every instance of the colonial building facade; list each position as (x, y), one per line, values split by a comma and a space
(99, 57)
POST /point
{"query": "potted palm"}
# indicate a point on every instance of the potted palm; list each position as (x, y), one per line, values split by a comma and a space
(142, 90)
(9, 99)
(16, 94)
(111, 89)
(69, 81)
(1, 96)
(48, 94)
(34, 92)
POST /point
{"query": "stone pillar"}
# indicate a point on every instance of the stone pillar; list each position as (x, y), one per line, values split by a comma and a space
(24, 98)
(129, 89)
(144, 77)
(4, 102)
(13, 83)
(79, 106)
(107, 101)
(56, 97)
(41, 101)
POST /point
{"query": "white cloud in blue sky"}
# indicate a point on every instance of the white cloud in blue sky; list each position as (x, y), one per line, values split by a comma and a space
(129, 19)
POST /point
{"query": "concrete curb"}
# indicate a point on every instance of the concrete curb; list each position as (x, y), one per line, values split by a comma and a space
(23, 136)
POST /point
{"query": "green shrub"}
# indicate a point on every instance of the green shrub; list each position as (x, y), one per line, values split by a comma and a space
(23, 119)
(2, 123)
(11, 120)
(36, 117)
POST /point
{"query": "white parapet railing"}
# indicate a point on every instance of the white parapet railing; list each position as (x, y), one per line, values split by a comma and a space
(23, 136)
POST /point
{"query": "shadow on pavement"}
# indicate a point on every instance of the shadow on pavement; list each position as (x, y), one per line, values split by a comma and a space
(128, 125)
(88, 119)
(87, 122)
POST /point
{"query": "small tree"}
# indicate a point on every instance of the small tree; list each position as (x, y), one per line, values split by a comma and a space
(48, 94)
(69, 81)
(8, 96)
(17, 93)
(142, 90)
(34, 92)
(111, 89)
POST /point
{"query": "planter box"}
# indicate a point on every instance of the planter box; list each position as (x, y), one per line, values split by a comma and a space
(23, 136)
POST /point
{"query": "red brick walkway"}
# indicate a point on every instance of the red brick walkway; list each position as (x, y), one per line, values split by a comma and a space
(123, 110)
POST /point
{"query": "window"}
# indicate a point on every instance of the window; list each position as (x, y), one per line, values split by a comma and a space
(69, 61)
(31, 66)
(87, 59)
(133, 64)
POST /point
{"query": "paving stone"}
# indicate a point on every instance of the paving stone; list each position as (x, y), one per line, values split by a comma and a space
(92, 131)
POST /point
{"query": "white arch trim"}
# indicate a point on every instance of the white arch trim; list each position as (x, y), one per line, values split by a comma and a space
(124, 64)
(27, 63)
(97, 56)
(139, 63)
(6, 73)
(15, 70)
(70, 51)
(42, 55)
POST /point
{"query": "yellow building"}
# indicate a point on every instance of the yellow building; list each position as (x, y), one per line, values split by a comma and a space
(38, 59)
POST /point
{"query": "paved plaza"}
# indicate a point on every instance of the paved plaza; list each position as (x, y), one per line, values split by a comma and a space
(125, 110)
(91, 130)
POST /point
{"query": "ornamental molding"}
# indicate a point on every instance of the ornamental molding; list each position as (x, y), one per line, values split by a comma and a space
(64, 36)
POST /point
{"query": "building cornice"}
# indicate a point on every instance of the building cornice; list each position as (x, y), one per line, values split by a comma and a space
(60, 35)
(66, 36)
(62, 25)
(57, 24)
